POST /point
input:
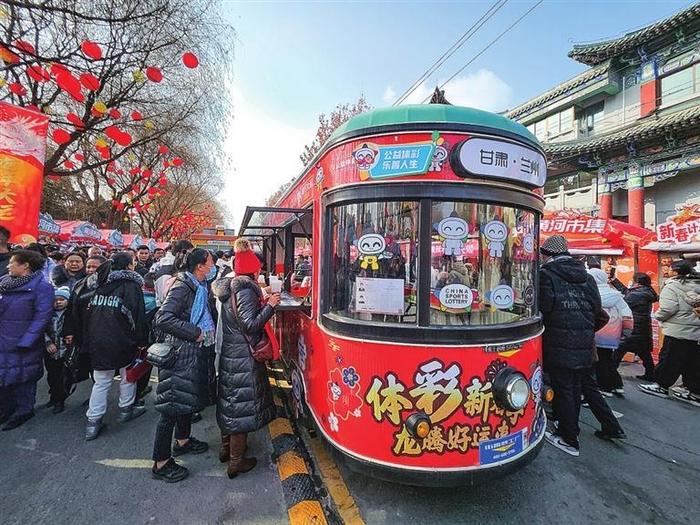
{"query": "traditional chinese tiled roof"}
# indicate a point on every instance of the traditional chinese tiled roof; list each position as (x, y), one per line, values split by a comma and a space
(557, 91)
(649, 128)
(597, 52)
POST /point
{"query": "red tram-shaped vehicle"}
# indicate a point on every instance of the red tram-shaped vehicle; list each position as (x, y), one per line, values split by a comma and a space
(409, 326)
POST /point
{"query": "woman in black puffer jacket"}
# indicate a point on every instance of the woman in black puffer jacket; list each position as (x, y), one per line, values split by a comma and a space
(185, 318)
(245, 401)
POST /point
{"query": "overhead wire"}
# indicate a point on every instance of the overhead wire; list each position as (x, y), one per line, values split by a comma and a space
(488, 46)
(490, 12)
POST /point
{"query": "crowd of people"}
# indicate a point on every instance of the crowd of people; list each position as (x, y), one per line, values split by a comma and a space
(592, 320)
(91, 315)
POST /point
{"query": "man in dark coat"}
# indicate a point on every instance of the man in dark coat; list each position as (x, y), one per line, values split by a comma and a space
(144, 260)
(640, 299)
(70, 272)
(114, 329)
(245, 401)
(26, 307)
(572, 312)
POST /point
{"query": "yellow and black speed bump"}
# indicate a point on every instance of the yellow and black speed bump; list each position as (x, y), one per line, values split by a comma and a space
(300, 488)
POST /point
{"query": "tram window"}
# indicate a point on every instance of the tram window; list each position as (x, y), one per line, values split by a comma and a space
(482, 264)
(374, 262)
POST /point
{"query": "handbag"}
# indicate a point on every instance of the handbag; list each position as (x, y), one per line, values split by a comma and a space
(262, 351)
(162, 355)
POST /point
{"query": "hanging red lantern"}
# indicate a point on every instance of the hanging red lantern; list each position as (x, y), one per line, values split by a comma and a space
(38, 73)
(120, 137)
(163, 150)
(111, 167)
(115, 114)
(190, 60)
(60, 136)
(147, 174)
(79, 157)
(135, 171)
(152, 191)
(75, 120)
(68, 83)
(17, 88)
(136, 115)
(90, 81)
(163, 181)
(166, 164)
(25, 47)
(53, 178)
(177, 161)
(91, 50)
(68, 164)
(154, 74)
(111, 181)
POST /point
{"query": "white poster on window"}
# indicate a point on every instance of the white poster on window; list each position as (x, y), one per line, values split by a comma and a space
(379, 296)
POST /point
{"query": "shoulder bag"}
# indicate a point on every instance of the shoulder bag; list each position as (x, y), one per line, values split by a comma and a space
(263, 350)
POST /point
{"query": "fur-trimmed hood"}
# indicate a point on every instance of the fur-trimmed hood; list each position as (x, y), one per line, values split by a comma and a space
(124, 275)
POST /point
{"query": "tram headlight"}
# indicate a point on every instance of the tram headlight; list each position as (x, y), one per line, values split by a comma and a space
(511, 389)
(418, 424)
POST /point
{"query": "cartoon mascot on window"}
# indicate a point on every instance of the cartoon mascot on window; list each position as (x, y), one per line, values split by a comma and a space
(496, 233)
(371, 247)
(453, 230)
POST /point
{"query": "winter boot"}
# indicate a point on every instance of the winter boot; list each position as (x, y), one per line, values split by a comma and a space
(237, 463)
(131, 412)
(93, 429)
(224, 448)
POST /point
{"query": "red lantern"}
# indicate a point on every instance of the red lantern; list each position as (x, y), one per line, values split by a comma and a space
(60, 136)
(147, 174)
(79, 157)
(68, 164)
(135, 115)
(91, 50)
(90, 81)
(17, 89)
(166, 164)
(163, 150)
(111, 181)
(190, 60)
(71, 85)
(154, 74)
(177, 161)
(135, 171)
(120, 137)
(38, 73)
(152, 191)
(163, 181)
(115, 114)
(53, 178)
(75, 120)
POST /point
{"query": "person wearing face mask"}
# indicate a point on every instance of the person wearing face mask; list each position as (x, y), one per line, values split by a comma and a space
(26, 307)
(186, 319)
(71, 272)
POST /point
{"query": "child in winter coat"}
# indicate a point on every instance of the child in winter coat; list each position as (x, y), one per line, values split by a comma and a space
(55, 352)
(607, 339)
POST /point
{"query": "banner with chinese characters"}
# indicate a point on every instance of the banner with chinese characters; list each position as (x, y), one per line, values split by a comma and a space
(682, 228)
(22, 154)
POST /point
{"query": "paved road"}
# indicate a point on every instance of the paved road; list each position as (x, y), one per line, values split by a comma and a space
(48, 474)
(653, 477)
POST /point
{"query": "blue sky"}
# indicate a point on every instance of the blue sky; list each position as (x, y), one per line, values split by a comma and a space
(294, 60)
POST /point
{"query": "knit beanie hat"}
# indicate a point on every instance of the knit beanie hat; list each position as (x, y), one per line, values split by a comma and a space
(555, 245)
(62, 291)
(245, 261)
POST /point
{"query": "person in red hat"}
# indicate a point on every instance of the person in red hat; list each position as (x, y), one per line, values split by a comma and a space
(244, 401)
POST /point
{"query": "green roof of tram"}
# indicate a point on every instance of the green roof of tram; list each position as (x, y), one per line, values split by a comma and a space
(432, 113)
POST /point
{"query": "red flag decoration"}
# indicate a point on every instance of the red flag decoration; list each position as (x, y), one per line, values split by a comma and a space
(190, 60)
(22, 152)
(154, 74)
(90, 81)
(91, 50)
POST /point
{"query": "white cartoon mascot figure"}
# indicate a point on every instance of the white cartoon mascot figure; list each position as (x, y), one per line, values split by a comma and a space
(371, 247)
(366, 157)
(439, 157)
(453, 230)
(496, 233)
